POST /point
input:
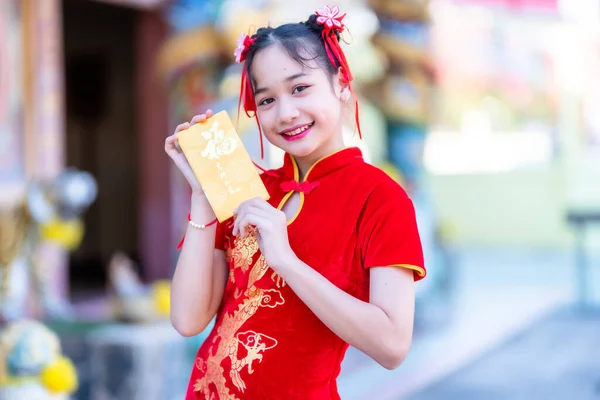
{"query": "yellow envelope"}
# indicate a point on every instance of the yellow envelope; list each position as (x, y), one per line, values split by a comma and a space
(221, 164)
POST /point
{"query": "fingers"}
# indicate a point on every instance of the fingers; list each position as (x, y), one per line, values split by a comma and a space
(238, 225)
(181, 127)
(242, 209)
(201, 117)
(171, 144)
(256, 202)
(248, 220)
(260, 208)
(171, 140)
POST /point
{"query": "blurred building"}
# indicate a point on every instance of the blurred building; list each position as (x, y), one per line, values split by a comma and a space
(104, 81)
(513, 145)
(78, 88)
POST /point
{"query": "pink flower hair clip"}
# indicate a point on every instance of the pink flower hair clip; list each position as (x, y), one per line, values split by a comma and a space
(331, 18)
(243, 44)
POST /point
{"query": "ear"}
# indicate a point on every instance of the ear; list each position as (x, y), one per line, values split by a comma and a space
(342, 86)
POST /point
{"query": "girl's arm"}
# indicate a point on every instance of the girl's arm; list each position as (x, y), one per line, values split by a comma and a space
(382, 329)
(200, 276)
(199, 280)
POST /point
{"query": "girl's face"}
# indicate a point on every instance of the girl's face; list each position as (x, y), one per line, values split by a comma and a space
(298, 107)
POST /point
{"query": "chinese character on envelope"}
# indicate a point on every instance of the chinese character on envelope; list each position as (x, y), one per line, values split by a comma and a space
(221, 164)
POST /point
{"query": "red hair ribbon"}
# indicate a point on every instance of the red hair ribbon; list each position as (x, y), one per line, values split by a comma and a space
(247, 98)
(331, 19)
(246, 95)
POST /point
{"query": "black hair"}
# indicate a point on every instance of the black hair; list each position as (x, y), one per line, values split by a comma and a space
(298, 39)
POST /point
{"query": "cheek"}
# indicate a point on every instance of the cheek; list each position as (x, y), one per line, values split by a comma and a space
(266, 119)
(311, 105)
(327, 111)
(325, 103)
(268, 123)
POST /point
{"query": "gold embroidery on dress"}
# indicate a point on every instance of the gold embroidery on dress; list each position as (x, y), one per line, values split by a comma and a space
(277, 279)
(244, 250)
(228, 336)
(258, 271)
(242, 254)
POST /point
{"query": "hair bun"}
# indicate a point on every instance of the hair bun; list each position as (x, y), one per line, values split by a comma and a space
(262, 31)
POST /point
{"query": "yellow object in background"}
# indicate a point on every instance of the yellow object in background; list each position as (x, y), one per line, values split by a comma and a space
(221, 164)
(392, 172)
(161, 294)
(60, 376)
(66, 233)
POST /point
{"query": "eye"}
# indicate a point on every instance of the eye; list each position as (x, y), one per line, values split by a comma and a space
(266, 101)
(300, 88)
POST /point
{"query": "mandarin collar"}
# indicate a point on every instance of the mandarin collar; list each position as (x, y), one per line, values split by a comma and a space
(324, 166)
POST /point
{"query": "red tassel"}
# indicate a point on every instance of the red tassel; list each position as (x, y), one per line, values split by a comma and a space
(180, 245)
(260, 136)
(242, 82)
(356, 118)
(335, 52)
(247, 98)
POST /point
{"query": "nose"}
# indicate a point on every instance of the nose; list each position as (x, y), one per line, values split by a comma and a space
(288, 111)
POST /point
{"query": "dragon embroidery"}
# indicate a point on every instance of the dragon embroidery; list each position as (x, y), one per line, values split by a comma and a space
(228, 336)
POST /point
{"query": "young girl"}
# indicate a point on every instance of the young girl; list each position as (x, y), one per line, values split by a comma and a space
(329, 261)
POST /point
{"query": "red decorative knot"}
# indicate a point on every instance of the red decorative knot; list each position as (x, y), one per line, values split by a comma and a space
(301, 187)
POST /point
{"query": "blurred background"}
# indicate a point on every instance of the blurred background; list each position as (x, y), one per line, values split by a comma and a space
(486, 111)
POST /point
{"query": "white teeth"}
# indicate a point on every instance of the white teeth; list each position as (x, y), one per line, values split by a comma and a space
(297, 131)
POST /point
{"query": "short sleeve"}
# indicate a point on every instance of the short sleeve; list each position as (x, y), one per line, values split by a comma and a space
(388, 232)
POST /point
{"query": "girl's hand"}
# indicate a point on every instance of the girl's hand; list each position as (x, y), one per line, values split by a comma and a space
(173, 150)
(271, 230)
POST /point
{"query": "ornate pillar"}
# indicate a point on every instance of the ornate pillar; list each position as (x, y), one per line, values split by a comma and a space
(44, 109)
(154, 165)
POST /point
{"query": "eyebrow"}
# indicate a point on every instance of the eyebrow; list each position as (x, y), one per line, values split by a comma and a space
(288, 79)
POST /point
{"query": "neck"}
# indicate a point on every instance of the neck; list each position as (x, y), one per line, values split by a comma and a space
(304, 166)
(305, 163)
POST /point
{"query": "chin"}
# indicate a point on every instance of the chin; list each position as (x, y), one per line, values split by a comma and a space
(299, 149)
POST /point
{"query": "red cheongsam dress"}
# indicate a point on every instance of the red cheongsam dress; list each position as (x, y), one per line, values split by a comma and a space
(266, 343)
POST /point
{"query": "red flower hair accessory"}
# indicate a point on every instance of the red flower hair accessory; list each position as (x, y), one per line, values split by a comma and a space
(243, 44)
(331, 18)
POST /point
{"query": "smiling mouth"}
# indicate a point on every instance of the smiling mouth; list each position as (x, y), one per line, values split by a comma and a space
(298, 130)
